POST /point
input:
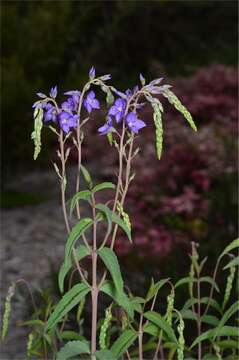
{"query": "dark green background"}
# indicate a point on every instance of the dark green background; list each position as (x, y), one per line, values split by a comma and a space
(55, 42)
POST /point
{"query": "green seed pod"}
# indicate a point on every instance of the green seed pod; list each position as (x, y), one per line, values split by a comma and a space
(228, 289)
(29, 343)
(7, 310)
(179, 106)
(104, 328)
(124, 215)
(158, 129)
(181, 341)
(170, 305)
(36, 134)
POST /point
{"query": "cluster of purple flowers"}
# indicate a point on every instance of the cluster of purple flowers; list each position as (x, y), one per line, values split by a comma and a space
(118, 112)
(67, 117)
(66, 114)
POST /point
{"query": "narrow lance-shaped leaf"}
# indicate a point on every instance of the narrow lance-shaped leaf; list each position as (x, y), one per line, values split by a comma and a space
(158, 320)
(36, 134)
(108, 214)
(105, 355)
(111, 262)
(115, 219)
(68, 301)
(125, 340)
(172, 98)
(81, 252)
(226, 316)
(233, 245)
(224, 331)
(87, 177)
(119, 297)
(82, 195)
(73, 348)
(76, 232)
(232, 263)
(103, 186)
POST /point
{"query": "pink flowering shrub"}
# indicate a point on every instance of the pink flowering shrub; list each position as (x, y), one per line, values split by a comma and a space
(183, 183)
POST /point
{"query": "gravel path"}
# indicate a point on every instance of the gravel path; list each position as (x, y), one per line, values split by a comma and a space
(32, 239)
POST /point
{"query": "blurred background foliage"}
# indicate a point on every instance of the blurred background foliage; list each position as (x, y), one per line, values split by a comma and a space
(55, 42)
(192, 192)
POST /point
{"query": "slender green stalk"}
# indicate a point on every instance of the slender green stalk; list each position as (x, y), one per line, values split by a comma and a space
(94, 287)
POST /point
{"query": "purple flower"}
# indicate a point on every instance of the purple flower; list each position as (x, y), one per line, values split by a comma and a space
(67, 121)
(50, 112)
(71, 104)
(53, 92)
(133, 123)
(105, 129)
(90, 102)
(92, 73)
(118, 109)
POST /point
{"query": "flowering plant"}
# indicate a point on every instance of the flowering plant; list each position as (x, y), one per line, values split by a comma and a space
(130, 327)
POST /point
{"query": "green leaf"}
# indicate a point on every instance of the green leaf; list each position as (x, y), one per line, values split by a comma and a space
(232, 263)
(173, 99)
(103, 186)
(136, 303)
(36, 322)
(36, 134)
(73, 348)
(108, 214)
(154, 288)
(110, 138)
(224, 331)
(233, 308)
(125, 340)
(152, 329)
(184, 281)
(119, 296)
(111, 262)
(210, 280)
(81, 252)
(105, 355)
(87, 177)
(75, 233)
(82, 195)
(115, 219)
(158, 320)
(234, 244)
(70, 335)
(228, 344)
(67, 302)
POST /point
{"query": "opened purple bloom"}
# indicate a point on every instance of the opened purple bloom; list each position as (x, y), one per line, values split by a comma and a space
(118, 109)
(50, 112)
(105, 129)
(133, 123)
(90, 102)
(67, 121)
(53, 92)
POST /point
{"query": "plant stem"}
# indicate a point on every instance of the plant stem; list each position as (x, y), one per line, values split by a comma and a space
(140, 337)
(199, 318)
(94, 288)
(63, 200)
